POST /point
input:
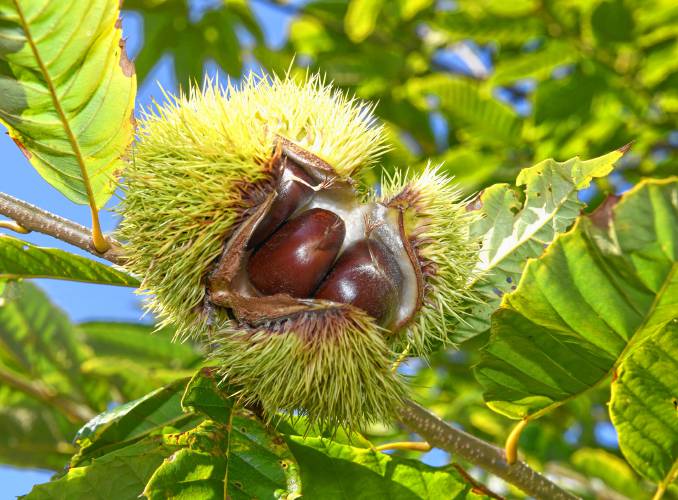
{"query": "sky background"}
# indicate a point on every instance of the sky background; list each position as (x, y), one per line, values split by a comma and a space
(88, 301)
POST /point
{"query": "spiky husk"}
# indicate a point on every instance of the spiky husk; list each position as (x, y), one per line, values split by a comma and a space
(192, 170)
(437, 224)
(199, 171)
(334, 367)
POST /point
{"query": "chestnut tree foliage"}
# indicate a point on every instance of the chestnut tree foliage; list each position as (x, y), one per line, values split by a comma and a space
(577, 329)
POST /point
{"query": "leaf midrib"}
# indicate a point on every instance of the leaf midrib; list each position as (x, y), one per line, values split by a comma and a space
(57, 106)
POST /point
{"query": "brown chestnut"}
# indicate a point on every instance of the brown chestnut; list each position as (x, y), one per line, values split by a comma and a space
(367, 276)
(291, 195)
(296, 258)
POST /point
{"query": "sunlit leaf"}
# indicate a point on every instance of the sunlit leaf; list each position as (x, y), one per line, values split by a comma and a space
(130, 422)
(410, 8)
(36, 435)
(121, 474)
(258, 461)
(19, 259)
(202, 395)
(538, 64)
(238, 459)
(598, 293)
(361, 18)
(460, 25)
(330, 470)
(40, 350)
(616, 473)
(517, 225)
(463, 100)
(142, 343)
(67, 92)
(644, 407)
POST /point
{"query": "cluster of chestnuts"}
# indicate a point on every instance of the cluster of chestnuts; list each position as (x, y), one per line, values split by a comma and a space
(298, 256)
(248, 219)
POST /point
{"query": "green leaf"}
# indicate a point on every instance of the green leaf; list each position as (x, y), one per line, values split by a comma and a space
(67, 92)
(644, 407)
(463, 100)
(35, 434)
(538, 64)
(309, 36)
(612, 22)
(141, 343)
(410, 8)
(239, 455)
(460, 25)
(361, 18)
(131, 422)
(121, 474)
(613, 470)
(202, 395)
(513, 230)
(129, 379)
(19, 259)
(40, 353)
(330, 471)
(597, 293)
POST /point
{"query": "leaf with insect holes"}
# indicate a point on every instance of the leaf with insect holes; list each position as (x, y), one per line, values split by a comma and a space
(519, 222)
(597, 294)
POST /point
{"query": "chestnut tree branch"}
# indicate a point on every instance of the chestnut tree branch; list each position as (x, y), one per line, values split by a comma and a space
(32, 218)
(478, 452)
(418, 419)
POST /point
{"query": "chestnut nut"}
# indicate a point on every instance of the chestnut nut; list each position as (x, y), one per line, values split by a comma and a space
(296, 258)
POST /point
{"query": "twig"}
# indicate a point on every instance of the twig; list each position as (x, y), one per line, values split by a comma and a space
(33, 218)
(480, 487)
(478, 452)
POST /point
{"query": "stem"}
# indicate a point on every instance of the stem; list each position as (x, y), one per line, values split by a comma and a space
(660, 492)
(670, 477)
(33, 218)
(511, 447)
(75, 412)
(478, 452)
(13, 226)
(479, 487)
(405, 445)
(98, 239)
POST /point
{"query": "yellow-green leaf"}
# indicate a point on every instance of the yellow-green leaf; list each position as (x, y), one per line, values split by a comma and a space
(644, 407)
(463, 100)
(361, 18)
(67, 92)
(517, 224)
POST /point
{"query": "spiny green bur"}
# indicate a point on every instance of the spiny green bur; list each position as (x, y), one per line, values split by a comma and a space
(202, 167)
